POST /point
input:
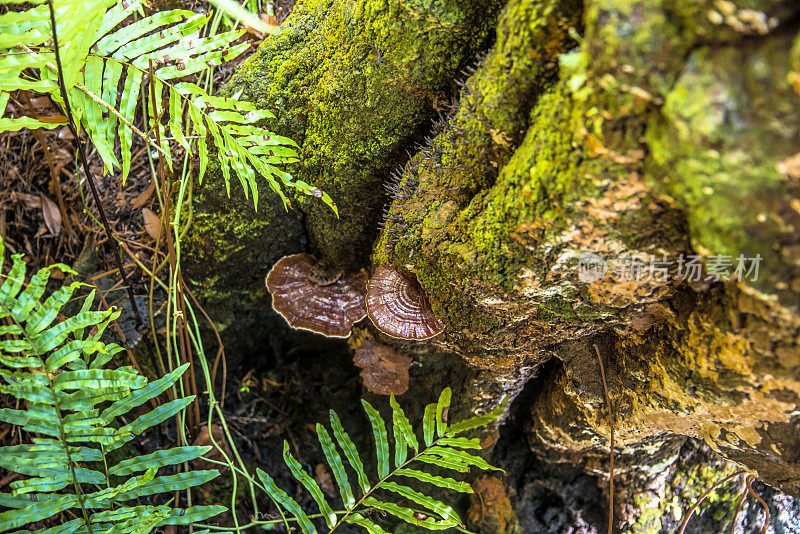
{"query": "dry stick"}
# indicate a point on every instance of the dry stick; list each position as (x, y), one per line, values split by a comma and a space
(611, 446)
(190, 382)
(81, 150)
(85, 164)
(750, 480)
(703, 497)
(742, 497)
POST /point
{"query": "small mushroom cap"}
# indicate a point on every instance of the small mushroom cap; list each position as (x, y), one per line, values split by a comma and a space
(384, 370)
(398, 306)
(326, 308)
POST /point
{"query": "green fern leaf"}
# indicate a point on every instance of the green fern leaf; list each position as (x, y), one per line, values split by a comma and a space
(16, 518)
(15, 125)
(287, 502)
(335, 462)
(193, 514)
(381, 438)
(151, 418)
(442, 462)
(430, 503)
(127, 106)
(170, 483)
(442, 409)
(350, 452)
(408, 515)
(478, 421)
(111, 42)
(369, 526)
(459, 456)
(310, 484)
(97, 379)
(429, 423)
(160, 458)
(140, 396)
(442, 482)
(461, 443)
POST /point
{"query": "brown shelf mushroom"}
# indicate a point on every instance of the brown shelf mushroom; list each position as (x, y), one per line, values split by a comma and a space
(398, 306)
(384, 370)
(312, 299)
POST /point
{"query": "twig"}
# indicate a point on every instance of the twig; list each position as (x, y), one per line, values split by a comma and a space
(739, 503)
(750, 480)
(694, 507)
(611, 446)
(81, 150)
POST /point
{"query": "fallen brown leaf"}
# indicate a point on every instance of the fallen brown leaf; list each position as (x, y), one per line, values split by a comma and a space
(144, 196)
(204, 439)
(323, 477)
(152, 223)
(790, 166)
(52, 215)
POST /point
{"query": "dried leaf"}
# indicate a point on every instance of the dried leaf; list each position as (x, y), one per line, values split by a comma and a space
(204, 439)
(144, 196)
(270, 21)
(323, 477)
(384, 370)
(52, 215)
(65, 133)
(152, 223)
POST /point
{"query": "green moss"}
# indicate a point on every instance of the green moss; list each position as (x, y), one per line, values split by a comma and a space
(353, 82)
(226, 256)
(729, 119)
(683, 490)
(496, 195)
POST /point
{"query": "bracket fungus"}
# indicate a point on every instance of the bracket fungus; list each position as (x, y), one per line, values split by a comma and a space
(311, 298)
(399, 307)
(384, 370)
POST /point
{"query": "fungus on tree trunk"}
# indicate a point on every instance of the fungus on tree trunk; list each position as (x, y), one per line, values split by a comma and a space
(399, 307)
(311, 298)
(384, 370)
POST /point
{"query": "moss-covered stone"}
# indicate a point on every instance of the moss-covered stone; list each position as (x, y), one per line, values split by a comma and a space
(352, 81)
(226, 256)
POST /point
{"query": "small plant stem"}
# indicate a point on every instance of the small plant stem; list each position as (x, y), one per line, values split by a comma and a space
(611, 445)
(185, 351)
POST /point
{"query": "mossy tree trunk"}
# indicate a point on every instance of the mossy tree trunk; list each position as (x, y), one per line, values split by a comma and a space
(647, 130)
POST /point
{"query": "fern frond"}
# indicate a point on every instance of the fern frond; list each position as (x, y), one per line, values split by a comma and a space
(442, 450)
(98, 56)
(54, 364)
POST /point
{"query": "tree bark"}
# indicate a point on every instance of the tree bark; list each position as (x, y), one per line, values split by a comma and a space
(606, 130)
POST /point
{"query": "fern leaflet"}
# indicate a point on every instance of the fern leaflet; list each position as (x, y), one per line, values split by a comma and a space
(57, 367)
(105, 62)
(443, 449)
